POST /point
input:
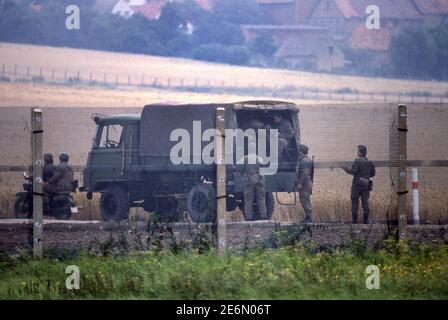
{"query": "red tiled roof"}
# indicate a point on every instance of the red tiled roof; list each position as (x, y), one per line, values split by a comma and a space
(363, 38)
(432, 6)
(204, 4)
(151, 9)
(346, 8)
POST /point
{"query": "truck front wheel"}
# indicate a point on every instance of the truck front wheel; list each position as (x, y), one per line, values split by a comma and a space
(114, 204)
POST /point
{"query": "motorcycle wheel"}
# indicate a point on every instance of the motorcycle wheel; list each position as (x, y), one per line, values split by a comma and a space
(63, 212)
(22, 207)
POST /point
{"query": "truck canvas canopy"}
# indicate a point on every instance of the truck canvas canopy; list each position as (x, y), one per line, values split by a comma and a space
(159, 121)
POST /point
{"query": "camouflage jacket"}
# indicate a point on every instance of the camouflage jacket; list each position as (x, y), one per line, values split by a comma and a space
(304, 181)
(63, 178)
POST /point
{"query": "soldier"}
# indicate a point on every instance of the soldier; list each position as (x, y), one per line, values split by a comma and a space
(254, 184)
(285, 132)
(362, 170)
(62, 180)
(305, 182)
(49, 167)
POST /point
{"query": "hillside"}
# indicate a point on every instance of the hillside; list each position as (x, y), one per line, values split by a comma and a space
(63, 63)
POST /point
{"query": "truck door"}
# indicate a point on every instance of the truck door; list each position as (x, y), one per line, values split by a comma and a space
(107, 158)
(131, 149)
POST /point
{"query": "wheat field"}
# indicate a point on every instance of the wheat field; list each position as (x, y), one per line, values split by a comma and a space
(122, 64)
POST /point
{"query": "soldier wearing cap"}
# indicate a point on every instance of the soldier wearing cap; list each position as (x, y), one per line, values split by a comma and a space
(362, 171)
(305, 182)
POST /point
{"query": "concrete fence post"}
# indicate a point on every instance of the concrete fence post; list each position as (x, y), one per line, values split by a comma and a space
(402, 171)
(221, 181)
(36, 150)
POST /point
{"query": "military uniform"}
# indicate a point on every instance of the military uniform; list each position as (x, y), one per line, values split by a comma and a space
(254, 187)
(62, 180)
(362, 170)
(305, 185)
(48, 171)
(285, 134)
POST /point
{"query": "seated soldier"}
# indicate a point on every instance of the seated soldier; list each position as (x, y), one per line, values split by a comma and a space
(62, 180)
(285, 132)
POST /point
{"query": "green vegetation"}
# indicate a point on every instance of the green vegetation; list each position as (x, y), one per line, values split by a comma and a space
(216, 35)
(293, 272)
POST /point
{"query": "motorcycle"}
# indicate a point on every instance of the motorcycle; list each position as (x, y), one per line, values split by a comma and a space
(61, 205)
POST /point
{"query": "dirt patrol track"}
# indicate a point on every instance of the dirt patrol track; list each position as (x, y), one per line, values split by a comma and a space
(16, 235)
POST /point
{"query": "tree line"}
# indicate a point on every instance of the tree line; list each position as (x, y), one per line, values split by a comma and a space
(415, 52)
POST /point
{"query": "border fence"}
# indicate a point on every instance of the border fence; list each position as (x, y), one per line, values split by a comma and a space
(331, 131)
(27, 73)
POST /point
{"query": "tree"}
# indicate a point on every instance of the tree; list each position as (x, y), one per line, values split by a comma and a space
(413, 52)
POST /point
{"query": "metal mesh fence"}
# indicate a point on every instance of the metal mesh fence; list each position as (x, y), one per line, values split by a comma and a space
(331, 132)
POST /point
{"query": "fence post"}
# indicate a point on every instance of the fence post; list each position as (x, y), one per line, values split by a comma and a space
(221, 180)
(402, 190)
(36, 150)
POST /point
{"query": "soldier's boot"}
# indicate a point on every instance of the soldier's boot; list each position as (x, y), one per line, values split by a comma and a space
(366, 217)
(354, 217)
(308, 217)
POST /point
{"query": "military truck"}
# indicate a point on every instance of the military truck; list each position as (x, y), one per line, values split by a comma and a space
(130, 164)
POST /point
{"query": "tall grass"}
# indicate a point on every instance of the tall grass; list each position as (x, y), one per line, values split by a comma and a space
(294, 272)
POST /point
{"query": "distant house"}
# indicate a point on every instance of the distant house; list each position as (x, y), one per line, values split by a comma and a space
(435, 12)
(287, 12)
(151, 9)
(345, 19)
(123, 9)
(104, 6)
(303, 46)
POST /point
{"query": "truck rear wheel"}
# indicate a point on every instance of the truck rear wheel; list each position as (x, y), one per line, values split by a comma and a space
(201, 203)
(114, 204)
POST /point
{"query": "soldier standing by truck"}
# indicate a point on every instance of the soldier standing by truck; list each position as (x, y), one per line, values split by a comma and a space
(254, 184)
(305, 182)
(362, 171)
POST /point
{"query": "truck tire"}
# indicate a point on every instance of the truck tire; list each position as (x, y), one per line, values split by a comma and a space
(201, 203)
(114, 204)
(270, 206)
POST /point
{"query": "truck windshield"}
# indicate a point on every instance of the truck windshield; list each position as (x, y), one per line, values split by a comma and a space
(110, 136)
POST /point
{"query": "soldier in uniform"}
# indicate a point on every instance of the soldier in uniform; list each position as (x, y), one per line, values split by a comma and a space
(362, 170)
(305, 182)
(62, 180)
(254, 184)
(49, 167)
(285, 132)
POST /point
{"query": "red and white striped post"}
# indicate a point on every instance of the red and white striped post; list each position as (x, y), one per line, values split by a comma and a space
(415, 199)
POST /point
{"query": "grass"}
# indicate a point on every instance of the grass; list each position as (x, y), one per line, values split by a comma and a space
(293, 272)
